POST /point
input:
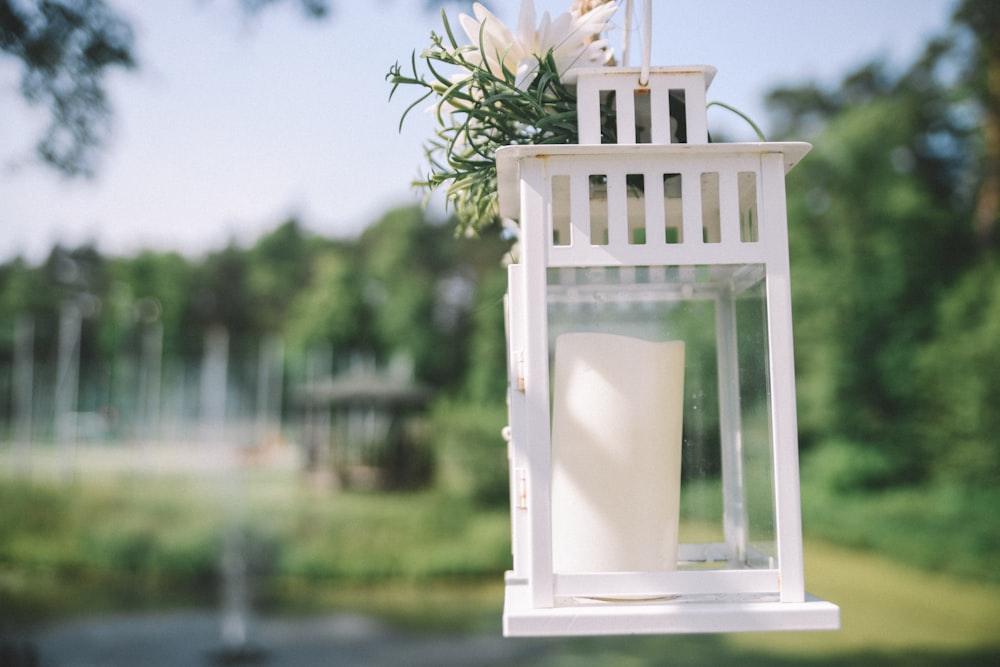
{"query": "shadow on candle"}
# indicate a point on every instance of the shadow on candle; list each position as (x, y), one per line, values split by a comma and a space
(616, 453)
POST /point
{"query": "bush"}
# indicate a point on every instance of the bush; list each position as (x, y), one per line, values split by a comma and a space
(471, 452)
(842, 467)
(938, 526)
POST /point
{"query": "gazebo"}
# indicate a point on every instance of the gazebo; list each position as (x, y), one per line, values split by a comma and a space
(362, 429)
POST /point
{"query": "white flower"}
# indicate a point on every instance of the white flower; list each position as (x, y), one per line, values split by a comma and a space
(570, 38)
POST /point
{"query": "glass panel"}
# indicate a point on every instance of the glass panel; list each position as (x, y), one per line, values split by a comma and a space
(755, 419)
(725, 516)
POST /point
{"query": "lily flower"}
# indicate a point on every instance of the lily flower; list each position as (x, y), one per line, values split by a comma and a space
(569, 37)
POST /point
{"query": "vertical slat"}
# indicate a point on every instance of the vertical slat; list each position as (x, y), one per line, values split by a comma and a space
(588, 109)
(617, 209)
(535, 208)
(694, 101)
(691, 206)
(514, 323)
(656, 217)
(625, 112)
(782, 368)
(579, 208)
(733, 491)
(711, 224)
(729, 206)
(659, 105)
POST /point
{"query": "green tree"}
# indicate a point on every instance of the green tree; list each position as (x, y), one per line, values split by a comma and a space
(404, 258)
(66, 49)
(279, 265)
(329, 309)
(982, 18)
(893, 249)
(156, 286)
(486, 378)
(880, 231)
(425, 292)
(220, 297)
(959, 379)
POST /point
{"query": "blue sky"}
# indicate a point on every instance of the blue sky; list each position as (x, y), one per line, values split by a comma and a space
(231, 125)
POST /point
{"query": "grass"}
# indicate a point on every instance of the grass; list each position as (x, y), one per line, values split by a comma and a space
(892, 615)
(424, 561)
(936, 526)
(154, 533)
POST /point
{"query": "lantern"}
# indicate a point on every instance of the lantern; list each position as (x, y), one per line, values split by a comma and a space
(652, 436)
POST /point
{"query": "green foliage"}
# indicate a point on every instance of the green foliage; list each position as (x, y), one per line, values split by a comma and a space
(486, 379)
(329, 308)
(879, 233)
(280, 263)
(404, 258)
(472, 455)
(845, 468)
(407, 287)
(169, 531)
(433, 561)
(959, 379)
(479, 111)
(897, 324)
(65, 50)
(941, 526)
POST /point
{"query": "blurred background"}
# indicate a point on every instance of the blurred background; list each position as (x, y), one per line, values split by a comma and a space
(251, 391)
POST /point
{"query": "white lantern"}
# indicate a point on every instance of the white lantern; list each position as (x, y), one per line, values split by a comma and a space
(650, 347)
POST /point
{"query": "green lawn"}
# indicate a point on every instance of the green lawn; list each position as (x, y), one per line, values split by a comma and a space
(429, 560)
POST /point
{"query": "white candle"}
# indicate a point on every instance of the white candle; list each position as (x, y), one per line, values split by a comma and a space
(616, 453)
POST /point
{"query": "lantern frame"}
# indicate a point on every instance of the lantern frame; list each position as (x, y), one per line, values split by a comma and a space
(539, 600)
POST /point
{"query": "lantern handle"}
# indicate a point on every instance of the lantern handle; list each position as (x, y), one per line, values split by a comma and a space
(647, 38)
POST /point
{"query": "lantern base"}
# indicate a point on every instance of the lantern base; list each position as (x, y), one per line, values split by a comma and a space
(682, 614)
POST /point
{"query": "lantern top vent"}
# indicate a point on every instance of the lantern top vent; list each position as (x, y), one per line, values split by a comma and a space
(669, 108)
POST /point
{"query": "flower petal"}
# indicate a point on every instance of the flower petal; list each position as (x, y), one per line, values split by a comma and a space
(526, 23)
(527, 68)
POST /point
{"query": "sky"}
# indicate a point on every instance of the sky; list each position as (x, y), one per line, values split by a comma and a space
(233, 124)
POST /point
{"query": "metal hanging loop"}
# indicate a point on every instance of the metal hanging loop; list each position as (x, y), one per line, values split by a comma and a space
(647, 38)
(627, 35)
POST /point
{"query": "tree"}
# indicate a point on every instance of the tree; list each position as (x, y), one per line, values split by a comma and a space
(959, 379)
(155, 286)
(486, 377)
(403, 258)
(893, 244)
(280, 264)
(220, 297)
(66, 50)
(329, 309)
(982, 18)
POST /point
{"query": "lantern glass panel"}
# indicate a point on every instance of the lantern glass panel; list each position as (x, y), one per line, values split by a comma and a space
(727, 511)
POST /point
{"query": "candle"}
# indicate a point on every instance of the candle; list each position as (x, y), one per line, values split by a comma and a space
(616, 453)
